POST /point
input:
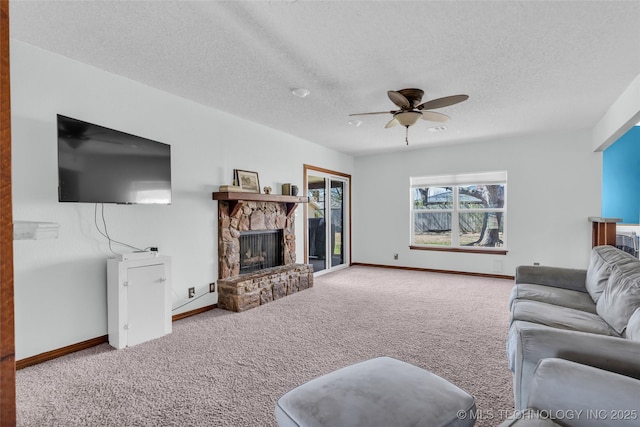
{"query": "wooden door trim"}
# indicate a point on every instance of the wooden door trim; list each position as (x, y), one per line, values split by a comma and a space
(7, 333)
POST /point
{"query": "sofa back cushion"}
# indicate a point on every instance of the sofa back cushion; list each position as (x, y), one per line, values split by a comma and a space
(602, 260)
(633, 327)
(621, 296)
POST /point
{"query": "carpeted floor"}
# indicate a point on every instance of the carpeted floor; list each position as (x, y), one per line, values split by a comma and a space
(228, 369)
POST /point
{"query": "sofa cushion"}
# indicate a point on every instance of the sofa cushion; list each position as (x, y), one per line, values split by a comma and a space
(602, 260)
(556, 316)
(552, 295)
(563, 388)
(621, 296)
(558, 277)
(633, 327)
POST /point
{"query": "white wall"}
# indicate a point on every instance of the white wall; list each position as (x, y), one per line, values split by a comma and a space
(60, 284)
(554, 184)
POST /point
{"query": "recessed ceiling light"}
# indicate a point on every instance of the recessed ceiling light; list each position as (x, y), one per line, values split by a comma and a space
(355, 123)
(300, 92)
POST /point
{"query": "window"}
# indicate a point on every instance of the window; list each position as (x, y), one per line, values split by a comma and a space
(459, 212)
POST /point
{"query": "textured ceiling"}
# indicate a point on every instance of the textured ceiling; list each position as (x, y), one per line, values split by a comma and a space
(528, 66)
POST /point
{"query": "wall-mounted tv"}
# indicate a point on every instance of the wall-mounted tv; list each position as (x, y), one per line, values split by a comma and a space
(101, 165)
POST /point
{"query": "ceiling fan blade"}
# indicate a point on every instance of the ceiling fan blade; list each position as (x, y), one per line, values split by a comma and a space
(367, 114)
(399, 99)
(392, 123)
(432, 116)
(442, 102)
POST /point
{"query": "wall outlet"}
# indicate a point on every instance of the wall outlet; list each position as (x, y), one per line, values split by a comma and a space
(192, 292)
(212, 287)
(395, 256)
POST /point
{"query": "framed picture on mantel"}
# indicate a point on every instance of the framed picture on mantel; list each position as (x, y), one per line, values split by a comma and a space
(248, 181)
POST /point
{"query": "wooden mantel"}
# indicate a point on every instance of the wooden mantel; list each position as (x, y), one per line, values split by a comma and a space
(236, 200)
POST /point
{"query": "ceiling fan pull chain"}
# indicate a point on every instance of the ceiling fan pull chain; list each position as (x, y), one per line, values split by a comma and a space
(406, 136)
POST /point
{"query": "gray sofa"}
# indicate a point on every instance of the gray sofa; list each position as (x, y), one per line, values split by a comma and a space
(591, 317)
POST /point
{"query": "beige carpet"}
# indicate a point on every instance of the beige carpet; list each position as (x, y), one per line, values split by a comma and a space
(228, 369)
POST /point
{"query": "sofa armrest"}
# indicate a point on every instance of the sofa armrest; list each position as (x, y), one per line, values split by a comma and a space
(567, 278)
(583, 395)
(533, 342)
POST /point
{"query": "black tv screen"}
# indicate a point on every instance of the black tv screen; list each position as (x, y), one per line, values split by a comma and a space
(101, 165)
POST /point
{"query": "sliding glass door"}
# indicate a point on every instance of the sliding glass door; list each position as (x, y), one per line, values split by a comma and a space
(327, 220)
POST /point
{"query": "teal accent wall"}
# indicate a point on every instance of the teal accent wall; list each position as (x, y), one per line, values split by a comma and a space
(621, 178)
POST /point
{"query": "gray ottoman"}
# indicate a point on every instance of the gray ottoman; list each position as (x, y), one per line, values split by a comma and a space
(381, 392)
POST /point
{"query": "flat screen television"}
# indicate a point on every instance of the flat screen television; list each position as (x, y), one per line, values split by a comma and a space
(101, 165)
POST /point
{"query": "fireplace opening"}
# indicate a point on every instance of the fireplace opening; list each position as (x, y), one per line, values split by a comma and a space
(260, 249)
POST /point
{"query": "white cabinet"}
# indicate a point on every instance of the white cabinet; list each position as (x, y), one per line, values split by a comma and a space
(138, 298)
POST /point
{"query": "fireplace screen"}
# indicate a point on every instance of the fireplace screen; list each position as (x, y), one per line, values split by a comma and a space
(260, 249)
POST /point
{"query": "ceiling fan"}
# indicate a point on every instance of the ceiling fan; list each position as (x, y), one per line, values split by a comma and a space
(411, 110)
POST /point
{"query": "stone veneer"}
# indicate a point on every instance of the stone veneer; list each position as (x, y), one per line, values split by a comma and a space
(241, 292)
(244, 292)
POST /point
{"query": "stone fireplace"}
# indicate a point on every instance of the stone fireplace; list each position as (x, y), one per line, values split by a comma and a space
(257, 250)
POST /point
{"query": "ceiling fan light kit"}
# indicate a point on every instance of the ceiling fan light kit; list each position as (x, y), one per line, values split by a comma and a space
(411, 109)
(407, 118)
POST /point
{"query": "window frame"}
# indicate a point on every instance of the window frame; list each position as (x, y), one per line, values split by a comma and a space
(455, 182)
